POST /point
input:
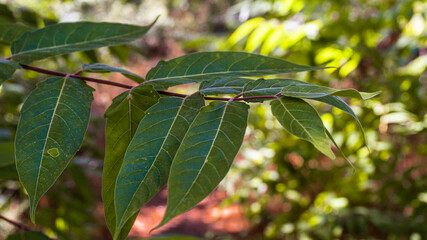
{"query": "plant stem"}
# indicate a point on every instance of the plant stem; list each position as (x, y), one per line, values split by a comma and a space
(101, 81)
(16, 224)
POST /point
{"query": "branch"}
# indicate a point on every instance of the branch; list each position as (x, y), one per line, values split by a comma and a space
(16, 224)
(101, 81)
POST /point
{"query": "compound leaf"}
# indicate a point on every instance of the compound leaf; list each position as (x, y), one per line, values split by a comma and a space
(223, 86)
(11, 31)
(122, 119)
(203, 66)
(302, 120)
(7, 69)
(148, 158)
(104, 68)
(53, 122)
(205, 155)
(62, 38)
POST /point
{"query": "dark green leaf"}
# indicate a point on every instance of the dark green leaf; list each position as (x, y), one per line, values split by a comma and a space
(148, 158)
(302, 120)
(337, 146)
(123, 117)
(53, 122)
(11, 31)
(28, 235)
(104, 68)
(205, 155)
(307, 90)
(62, 38)
(203, 66)
(7, 69)
(224, 86)
(266, 87)
(7, 161)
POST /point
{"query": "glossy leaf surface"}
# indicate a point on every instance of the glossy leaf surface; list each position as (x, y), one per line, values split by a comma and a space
(7, 69)
(224, 86)
(302, 120)
(205, 155)
(104, 68)
(148, 158)
(122, 119)
(53, 122)
(62, 38)
(306, 90)
(11, 31)
(203, 66)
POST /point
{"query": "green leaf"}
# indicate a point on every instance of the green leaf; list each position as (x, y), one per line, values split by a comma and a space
(205, 155)
(11, 31)
(148, 158)
(341, 104)
(104, 68)
(62, 38)
(28, 235)
(223, 86)
(122, 119)
(7, 69)
(266, 87)
(338, 147)
(302, 120)
(53, 122)
(307, 90)
(203, 66)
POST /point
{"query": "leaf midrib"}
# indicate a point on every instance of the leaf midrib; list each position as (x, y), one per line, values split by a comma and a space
(71, 45)
(205, 161)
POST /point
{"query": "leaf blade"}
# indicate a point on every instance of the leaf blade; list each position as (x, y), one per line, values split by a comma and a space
(203, 66)
(62, 38)
(53, 123)
(104, 68)
(307, 90)
(223, 86)
(11, 31)
(122, 119)
(308, 124)
(205, 155)
(8, 68)
(160, 133)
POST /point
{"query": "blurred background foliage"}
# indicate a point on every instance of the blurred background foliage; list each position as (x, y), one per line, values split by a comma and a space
(286, 188)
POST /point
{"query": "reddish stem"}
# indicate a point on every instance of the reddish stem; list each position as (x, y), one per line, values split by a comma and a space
(16, 224)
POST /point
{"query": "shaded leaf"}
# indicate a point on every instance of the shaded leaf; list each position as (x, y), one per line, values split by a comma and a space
(11, 31)
(7, 161)
(307, 90)
(7, 69)
(223, 86)
(53, 122)
(104, 68)
(148, 158)
(205, 155)
(266, 87)
(302, 120)
(62, 38)
(122, 119)
(203, 66)
(28, 235)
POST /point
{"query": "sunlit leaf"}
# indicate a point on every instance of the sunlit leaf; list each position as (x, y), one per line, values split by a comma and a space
(205, 155)
(11, 31)
(53, 122)
(62, 38)
(7, 69)
(148, 158)
(224, 86)
(203, 66)
(122, 119)
(104, 68)
(302, 120)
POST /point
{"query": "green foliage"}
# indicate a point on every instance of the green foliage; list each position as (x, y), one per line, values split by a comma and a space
(28, 235)
(152, 139)
(8, 69)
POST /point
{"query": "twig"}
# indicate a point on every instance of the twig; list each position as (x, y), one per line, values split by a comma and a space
(16, 224)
